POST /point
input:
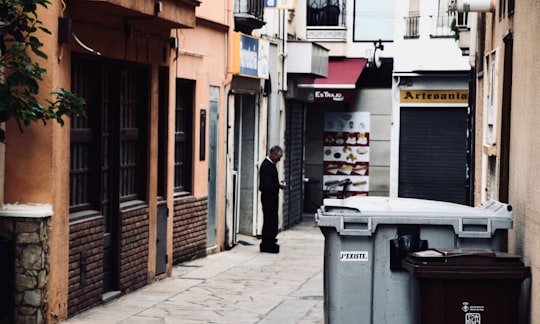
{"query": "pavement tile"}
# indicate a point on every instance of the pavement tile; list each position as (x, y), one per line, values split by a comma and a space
(237, 286)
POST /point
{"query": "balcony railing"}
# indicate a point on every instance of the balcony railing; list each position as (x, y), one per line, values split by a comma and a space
(411, 27)
(325, 13)
(248, 15)
(254, 8)
(444, 25)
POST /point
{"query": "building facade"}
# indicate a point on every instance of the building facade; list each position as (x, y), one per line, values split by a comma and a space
(506, 146)
(394, 65)
(113, 200)
(432, 119)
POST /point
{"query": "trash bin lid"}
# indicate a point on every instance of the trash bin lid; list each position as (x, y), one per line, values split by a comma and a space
(398, 206)
(465, 264)
(369, 211)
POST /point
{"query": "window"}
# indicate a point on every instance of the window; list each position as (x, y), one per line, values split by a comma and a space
(183, 136)
(446, 21)
(412, 21)
(412, 26)
(511, 6)
(325, 13)
(506, 6)
(374, 20)
(490, 99)
(108, 148)
(463, 19)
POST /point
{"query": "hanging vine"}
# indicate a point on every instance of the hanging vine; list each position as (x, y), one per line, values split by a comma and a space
(20, 74)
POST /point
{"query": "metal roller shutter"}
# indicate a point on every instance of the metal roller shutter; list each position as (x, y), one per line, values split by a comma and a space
(294, 159)
(433, 154)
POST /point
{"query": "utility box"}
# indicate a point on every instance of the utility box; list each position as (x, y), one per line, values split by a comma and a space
(367, 238)
(465, 286)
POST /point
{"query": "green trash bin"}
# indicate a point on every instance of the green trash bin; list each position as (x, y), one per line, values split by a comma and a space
(471, 286)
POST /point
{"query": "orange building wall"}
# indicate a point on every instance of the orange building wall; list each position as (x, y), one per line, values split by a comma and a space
(37, 161)
(202, 56)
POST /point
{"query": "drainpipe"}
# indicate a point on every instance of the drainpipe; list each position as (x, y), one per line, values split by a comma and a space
(228, 225)
(230, 20)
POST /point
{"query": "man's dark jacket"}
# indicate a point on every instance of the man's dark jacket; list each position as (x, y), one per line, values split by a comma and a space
(268, 178)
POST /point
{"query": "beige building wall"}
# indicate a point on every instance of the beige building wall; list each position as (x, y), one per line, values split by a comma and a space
(525, 144)
(524, 174)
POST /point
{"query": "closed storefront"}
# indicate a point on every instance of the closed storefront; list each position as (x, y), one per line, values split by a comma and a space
(294, 162)
(434, 145)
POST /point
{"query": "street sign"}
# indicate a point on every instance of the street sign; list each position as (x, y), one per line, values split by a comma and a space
(279, 4)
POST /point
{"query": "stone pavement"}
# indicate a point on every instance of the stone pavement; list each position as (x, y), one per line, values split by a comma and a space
(237, 286)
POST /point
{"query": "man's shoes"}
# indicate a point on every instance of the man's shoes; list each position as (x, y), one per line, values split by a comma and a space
(269, 248)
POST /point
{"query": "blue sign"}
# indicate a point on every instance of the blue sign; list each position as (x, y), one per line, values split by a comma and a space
(249, 60)
(279, 4)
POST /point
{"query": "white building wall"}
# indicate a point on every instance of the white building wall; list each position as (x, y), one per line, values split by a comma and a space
(425, 53)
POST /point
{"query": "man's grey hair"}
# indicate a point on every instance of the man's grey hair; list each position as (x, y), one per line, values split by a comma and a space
(276, 149)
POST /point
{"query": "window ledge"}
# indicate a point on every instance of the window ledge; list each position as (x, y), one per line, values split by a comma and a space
(326, 33)
(326, 27)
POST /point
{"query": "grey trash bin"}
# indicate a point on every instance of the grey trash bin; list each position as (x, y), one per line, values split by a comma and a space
(366, 239)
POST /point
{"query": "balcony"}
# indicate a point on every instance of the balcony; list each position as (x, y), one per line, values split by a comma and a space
(443, 26)
(248, 15)
(326, 20)
(412, 29)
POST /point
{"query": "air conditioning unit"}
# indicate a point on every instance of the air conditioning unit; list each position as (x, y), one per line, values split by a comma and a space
(475, 5)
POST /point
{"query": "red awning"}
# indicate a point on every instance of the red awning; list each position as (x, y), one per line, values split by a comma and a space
(342, 74)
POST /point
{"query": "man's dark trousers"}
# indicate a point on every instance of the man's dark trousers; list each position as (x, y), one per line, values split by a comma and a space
(270, 222)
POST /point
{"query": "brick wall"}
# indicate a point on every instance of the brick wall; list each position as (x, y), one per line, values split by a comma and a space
(85, 238)
(134, 244)
(189, 228)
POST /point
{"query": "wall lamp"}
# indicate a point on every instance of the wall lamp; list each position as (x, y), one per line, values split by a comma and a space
(375, 60)
(173, 42)
(158, 7)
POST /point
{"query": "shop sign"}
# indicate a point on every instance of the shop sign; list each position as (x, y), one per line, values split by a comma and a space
(333, 95)
(279, 4)
(250, 56)
(435, 96)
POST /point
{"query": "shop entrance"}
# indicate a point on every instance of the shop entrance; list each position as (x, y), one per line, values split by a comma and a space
(244, 170)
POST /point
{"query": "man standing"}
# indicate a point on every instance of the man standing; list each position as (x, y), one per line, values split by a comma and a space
(269, 186)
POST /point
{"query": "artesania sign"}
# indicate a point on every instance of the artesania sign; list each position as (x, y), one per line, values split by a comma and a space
(434, 96)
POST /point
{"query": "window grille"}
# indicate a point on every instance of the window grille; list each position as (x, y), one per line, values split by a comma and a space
(183, 136)
(325, 13)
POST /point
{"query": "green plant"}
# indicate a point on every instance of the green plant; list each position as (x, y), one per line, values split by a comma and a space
(454, 28)
(20, 74)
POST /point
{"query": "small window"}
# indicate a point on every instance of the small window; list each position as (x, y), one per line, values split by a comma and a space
(490, 99)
